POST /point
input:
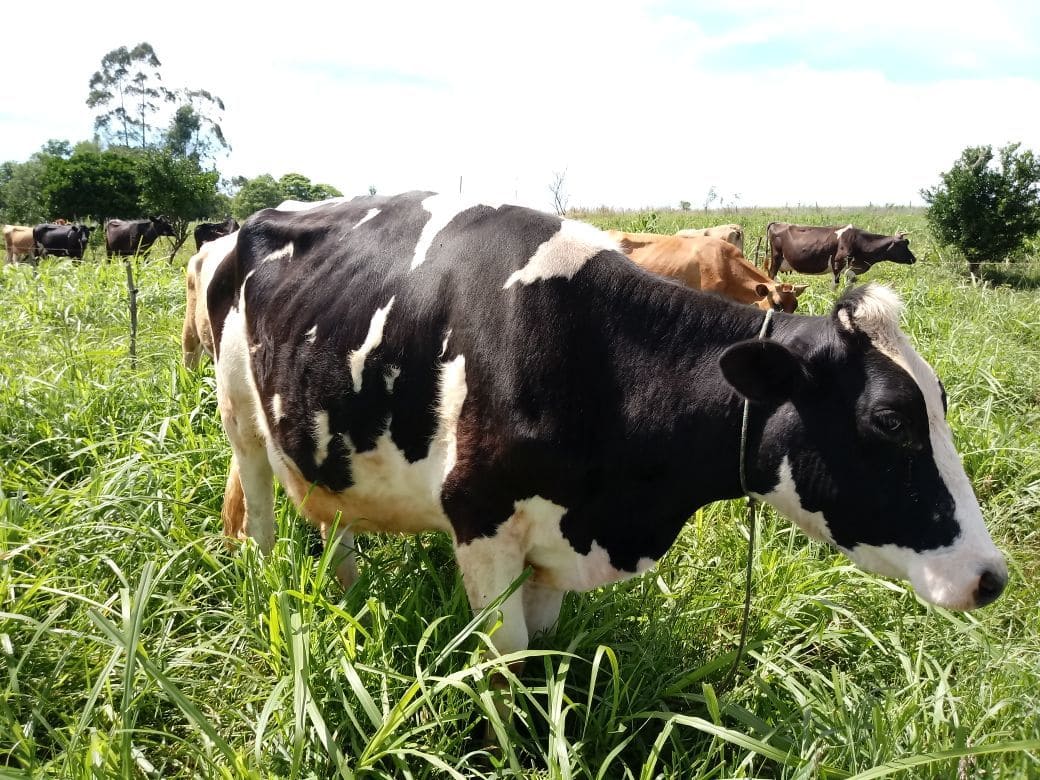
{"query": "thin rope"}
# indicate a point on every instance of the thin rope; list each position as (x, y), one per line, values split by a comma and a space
(751, 524)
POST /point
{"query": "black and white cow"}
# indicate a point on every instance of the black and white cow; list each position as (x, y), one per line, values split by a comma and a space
(510, 378)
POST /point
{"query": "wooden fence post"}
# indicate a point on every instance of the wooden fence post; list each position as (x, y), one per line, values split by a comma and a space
(133, 310)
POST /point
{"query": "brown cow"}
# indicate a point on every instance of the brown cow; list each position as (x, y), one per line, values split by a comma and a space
(197, 335)
(709, 264)
(19, 242)
(733, 234)
(816, 250)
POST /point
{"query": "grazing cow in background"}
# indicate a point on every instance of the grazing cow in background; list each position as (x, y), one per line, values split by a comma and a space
(816, 250)
(412, 363)
(197, 335)
(131, 237)
(62, 240)
(708, 264)
(19, 243)
(211, 231)
(733, 234)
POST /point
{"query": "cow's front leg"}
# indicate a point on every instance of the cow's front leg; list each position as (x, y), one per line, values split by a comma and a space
(541, 607)
(343, 555)
(489, 564)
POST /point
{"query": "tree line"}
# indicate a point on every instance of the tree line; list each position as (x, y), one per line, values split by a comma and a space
(135, 166)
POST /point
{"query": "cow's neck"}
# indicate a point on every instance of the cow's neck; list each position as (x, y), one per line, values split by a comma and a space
(679, 413)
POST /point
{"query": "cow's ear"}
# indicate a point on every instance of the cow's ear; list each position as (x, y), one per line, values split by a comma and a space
(762, 371)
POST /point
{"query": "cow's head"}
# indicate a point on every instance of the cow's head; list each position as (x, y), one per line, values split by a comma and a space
(161, 226)
(855, 450)
(779, 296)
(899, 251)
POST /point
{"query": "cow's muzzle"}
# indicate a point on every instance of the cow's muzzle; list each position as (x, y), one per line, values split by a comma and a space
(990, 586)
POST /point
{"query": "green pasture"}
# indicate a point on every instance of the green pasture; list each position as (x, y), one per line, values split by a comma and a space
(133, 643)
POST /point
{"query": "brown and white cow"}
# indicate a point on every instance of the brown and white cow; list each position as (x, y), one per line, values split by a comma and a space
(732, 234)
(508, 377)
(709, 264)
(809, 249)
(19, 243)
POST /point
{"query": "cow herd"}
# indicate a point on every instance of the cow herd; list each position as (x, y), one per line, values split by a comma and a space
(515, 380)
(123, 237)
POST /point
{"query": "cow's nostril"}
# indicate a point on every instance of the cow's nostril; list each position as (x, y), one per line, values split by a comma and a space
(991, 585)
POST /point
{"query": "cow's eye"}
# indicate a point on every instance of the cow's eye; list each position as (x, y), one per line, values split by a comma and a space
(889, 423)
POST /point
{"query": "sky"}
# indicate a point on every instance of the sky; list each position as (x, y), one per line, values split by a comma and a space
(639, 103)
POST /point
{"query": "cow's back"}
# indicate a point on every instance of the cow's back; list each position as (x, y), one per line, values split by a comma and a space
(321, 282)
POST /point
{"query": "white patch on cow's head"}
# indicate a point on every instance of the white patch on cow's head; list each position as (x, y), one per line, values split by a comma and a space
(840, 231)
(322, 437)
(276, 409)
(564, 254)
(285, 253)
(453, 392)
(392, 372)
(442, 210)
(312, 334)
(444, 344)
(371, 213)
(948, 576)
(785, 499)
(372, 340)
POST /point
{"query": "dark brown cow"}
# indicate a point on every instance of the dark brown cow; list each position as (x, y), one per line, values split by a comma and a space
(130, 237)
(63, 240)
(816, 250)
(211, 231)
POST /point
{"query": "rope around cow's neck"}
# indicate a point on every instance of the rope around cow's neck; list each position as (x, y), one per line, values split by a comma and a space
(751, 522)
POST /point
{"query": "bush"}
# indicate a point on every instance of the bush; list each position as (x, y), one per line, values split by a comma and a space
(986, 211)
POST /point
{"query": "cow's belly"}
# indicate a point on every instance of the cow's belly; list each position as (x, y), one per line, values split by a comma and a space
(388, 494)
(535, 527)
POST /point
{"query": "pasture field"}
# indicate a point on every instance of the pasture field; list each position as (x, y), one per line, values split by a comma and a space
(133, 643)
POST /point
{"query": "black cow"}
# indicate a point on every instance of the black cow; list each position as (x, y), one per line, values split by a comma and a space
(65, 240)
(816, 250)
(508, 377)
(131, 237)
(211, 231)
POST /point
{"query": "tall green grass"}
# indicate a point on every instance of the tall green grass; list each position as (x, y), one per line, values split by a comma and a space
(133, 643)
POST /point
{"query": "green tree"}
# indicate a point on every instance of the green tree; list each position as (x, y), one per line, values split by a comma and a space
(126, 91)
(296, 186)
(322, 191)
(264, 192)
(258, 193)
(178, 188)
(195, 129)
(985, 210)
(22, 197)
(92, 184)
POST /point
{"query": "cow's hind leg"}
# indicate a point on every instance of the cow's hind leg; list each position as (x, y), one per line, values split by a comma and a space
(251, 468)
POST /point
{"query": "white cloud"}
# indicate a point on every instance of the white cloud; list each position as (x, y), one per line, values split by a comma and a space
(624, 95)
